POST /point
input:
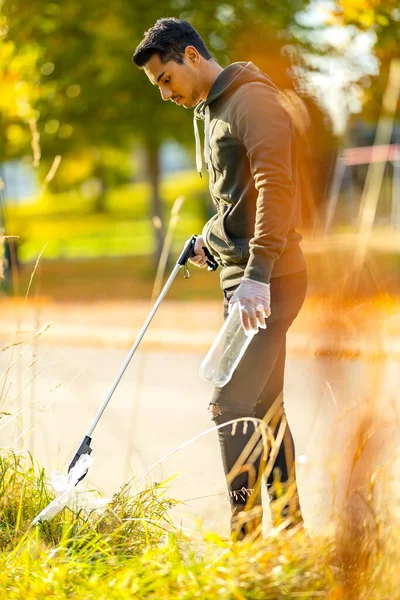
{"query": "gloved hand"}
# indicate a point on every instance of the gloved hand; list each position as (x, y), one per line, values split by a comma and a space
(200, 258)
(254, 299)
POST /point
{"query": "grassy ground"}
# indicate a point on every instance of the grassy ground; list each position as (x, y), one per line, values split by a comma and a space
(67, 226)
(133, 551)
(91, 256)
(132, 277)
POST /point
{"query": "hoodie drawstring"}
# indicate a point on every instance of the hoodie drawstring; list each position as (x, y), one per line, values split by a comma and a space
(199, 160)
(207, 135)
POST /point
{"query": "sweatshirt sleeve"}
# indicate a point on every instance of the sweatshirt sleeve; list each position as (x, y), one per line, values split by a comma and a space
(264, 127)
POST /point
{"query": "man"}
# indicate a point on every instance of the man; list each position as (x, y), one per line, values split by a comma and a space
(251, 156)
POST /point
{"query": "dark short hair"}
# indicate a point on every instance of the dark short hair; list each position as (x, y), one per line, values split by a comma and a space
(169, 38)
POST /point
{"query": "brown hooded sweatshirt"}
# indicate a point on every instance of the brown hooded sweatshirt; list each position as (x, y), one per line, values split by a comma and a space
(251, 155)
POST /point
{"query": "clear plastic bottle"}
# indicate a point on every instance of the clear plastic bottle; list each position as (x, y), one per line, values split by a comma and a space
(227, 350)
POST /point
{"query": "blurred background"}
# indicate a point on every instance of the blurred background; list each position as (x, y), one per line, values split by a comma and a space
(91, 161)
(98, 176)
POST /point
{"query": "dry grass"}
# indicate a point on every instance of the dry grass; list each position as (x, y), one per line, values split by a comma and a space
(134, 551)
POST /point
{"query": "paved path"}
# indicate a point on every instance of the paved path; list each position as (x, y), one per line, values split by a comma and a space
(361, 328)
(162, 403)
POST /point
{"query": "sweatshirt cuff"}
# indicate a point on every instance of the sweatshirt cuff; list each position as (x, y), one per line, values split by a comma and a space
(259, 268)
(257, 282)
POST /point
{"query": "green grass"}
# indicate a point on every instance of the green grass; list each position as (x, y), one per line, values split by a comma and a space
(134, 551)
(24, 494)
(66, 223)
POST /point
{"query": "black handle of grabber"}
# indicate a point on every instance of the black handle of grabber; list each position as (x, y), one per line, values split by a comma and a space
(211, 262)
(84, 448)
(188, 252)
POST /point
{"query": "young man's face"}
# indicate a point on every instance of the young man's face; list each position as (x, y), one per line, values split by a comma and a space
(179, 83)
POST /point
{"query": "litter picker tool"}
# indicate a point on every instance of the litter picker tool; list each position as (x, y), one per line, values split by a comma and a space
(84, 447)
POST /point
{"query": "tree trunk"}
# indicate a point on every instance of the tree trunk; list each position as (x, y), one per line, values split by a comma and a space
(2, 139)
(157, 216)
(100, 202)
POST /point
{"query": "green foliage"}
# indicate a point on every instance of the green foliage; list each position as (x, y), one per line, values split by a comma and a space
(89, 93)
(18, 96)
(88, 98)
(382, 19)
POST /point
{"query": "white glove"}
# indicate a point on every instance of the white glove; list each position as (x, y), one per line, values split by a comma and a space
(254, 299)
(200, 258)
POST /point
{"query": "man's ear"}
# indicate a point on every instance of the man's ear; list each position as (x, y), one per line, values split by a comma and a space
(192, 54)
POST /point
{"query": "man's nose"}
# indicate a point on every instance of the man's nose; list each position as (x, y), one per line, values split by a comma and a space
(165, 93)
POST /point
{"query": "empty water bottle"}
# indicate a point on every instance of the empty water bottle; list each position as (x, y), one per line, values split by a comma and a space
(227, 350)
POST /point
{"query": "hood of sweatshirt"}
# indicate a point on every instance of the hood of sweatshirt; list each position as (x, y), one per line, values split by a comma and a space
(228, 80)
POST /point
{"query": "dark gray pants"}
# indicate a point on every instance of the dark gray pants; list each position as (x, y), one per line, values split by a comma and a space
(255, 385)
